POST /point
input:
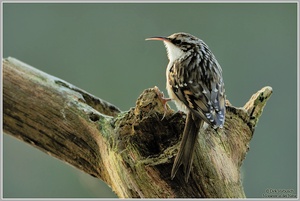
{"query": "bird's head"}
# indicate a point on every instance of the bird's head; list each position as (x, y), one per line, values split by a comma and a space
(177, 44)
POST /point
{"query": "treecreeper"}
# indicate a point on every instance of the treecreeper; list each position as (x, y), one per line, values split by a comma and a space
(194, 82)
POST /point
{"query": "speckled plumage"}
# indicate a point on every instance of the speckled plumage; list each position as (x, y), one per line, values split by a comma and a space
(195, 83)
(195, 78)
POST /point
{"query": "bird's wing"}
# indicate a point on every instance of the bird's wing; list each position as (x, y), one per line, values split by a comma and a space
(198, 83)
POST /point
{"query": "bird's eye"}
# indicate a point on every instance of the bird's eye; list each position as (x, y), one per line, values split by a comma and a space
(176, 42)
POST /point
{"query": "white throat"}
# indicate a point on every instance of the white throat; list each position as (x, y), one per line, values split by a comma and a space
(173, 51)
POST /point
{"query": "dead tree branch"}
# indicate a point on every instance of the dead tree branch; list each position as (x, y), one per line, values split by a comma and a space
(132, 151)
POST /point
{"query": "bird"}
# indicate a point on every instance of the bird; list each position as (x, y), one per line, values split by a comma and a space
(195, 83)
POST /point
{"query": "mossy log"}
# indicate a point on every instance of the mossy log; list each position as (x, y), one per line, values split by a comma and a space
(132, 151)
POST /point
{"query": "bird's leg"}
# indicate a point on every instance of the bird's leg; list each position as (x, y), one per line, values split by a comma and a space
(164, 102)
(162, 99)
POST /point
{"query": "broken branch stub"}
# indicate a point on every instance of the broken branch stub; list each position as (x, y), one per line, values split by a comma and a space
(150, 143)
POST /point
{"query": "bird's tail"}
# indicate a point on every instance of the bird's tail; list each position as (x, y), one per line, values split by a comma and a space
(187, 145)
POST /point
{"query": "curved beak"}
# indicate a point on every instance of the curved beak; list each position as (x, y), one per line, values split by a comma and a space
(158, 38)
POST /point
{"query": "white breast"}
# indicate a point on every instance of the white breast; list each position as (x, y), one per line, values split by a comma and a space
(173, 51)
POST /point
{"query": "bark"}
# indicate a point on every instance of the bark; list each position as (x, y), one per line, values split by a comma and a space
(132, 151)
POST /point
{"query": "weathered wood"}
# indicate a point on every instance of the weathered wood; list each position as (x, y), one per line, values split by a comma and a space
(131, 151)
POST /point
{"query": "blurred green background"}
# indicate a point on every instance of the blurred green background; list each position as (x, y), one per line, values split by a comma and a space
(101, 48)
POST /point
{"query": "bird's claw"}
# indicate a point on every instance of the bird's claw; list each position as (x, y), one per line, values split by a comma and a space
(163, 100)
